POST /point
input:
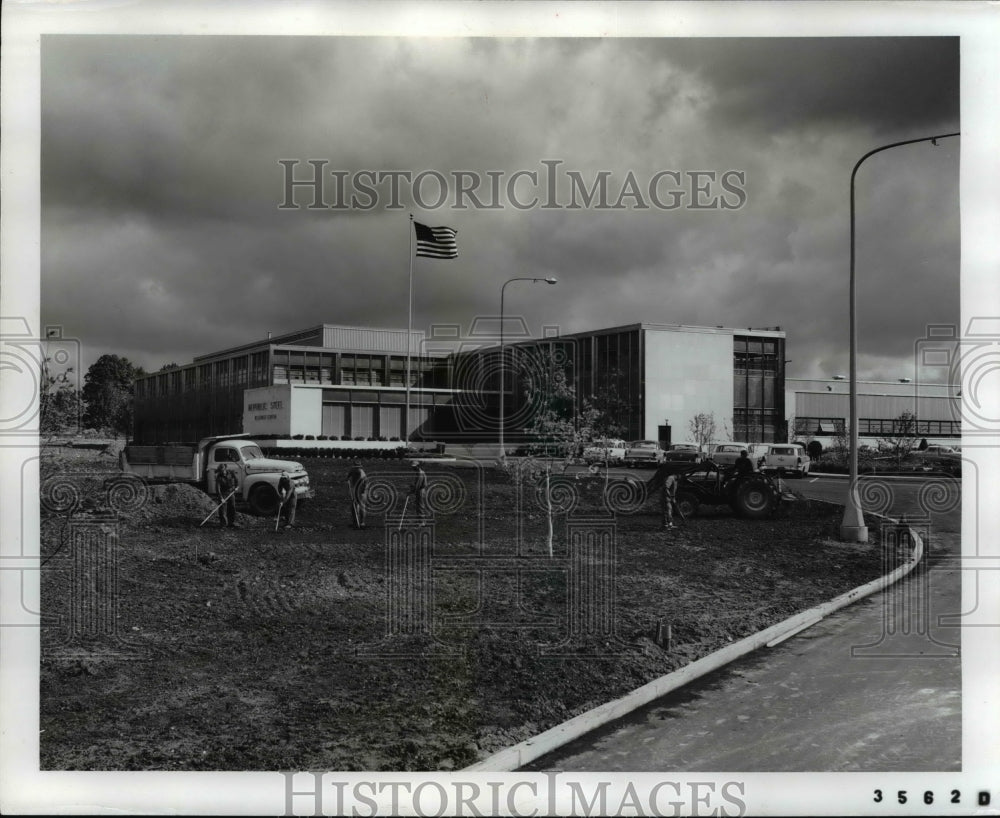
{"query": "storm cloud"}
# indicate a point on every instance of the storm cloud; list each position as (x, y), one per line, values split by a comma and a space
(162, 235)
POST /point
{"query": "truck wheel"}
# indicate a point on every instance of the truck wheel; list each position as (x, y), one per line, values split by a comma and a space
(755, 499)
(687, 504)
(263, 500)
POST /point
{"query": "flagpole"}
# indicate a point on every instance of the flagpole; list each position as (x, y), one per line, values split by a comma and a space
(409, 336)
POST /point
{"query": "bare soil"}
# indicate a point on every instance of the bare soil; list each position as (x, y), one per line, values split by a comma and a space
(251, 649)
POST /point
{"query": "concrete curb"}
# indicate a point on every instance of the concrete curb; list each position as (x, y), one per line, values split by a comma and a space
(526, 751)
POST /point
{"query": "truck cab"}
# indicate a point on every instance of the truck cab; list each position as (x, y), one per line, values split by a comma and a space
(257, 475)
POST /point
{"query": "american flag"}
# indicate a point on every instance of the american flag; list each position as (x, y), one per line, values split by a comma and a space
(436, 242)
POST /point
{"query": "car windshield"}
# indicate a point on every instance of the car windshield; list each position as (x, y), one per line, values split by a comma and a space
(250, 452)
(684, 447)
(728, 448)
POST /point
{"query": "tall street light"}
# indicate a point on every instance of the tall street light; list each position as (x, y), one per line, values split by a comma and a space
(549, 280)
(853, 528)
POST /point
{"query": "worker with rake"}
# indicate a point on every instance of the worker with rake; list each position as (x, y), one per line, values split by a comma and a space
(288, 501)
(226, 486)
(357, 486)
(419, 489)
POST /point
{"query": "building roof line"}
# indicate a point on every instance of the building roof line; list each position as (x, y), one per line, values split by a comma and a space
(279, 340)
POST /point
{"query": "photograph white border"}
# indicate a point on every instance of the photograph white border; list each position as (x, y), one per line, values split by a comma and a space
(23, 789)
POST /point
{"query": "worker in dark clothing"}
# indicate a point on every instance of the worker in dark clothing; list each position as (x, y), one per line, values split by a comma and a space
(419, 490)
(226, 484)
(286, 495)
(357, 486)
(668, 499)
(744, 465)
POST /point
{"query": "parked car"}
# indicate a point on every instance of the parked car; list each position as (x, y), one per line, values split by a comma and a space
(941, 450)
(643, 453)
(726, 454)
(685, 452)
(785, 458)
(940, 458)
(606, 450)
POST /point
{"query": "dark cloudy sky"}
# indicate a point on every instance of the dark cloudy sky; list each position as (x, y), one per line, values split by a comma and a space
(162, 237)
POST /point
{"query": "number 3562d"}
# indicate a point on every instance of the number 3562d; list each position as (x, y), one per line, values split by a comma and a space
(902, 797)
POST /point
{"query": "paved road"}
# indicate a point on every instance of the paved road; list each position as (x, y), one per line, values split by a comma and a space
(874, 687)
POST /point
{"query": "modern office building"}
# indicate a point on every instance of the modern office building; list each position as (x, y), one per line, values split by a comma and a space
(819, 409)
(350, 383)
(327, 379)
(663, 375)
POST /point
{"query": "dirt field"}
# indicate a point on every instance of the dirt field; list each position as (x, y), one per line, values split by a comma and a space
(250, 649)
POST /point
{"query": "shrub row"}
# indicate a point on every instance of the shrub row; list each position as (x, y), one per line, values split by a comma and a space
(347, 454)
(382, 438)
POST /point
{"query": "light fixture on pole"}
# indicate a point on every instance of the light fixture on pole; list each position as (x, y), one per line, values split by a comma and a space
(549, 280)
(853, 528)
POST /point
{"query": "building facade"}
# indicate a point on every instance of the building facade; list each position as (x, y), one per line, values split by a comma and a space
(355, 375)
(351, 383)
(663, 375)
(820, 408)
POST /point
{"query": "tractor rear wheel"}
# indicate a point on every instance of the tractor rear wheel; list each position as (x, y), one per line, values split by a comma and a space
(755, 499)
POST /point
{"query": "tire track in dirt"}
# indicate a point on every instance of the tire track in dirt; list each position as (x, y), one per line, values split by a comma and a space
(265, 596)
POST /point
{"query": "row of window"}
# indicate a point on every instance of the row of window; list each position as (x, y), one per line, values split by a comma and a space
(885, 427)
(246, 370)
(893, 428)
(743, 344)
(819, 426)
(235, 373)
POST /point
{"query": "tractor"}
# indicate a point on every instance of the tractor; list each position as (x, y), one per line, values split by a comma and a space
(754, 496)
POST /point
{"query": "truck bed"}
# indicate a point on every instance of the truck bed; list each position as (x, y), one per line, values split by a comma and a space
(174, 455)
(172, 462)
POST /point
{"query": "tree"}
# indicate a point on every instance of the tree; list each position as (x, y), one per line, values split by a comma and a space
(59, 402)
(605, 410)
(107, 394)
(556, 423)
(898, 442)
(702, 428)
(791, 433)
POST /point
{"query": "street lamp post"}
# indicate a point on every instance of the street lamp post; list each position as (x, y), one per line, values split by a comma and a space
(853, 528)
(548, 280)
